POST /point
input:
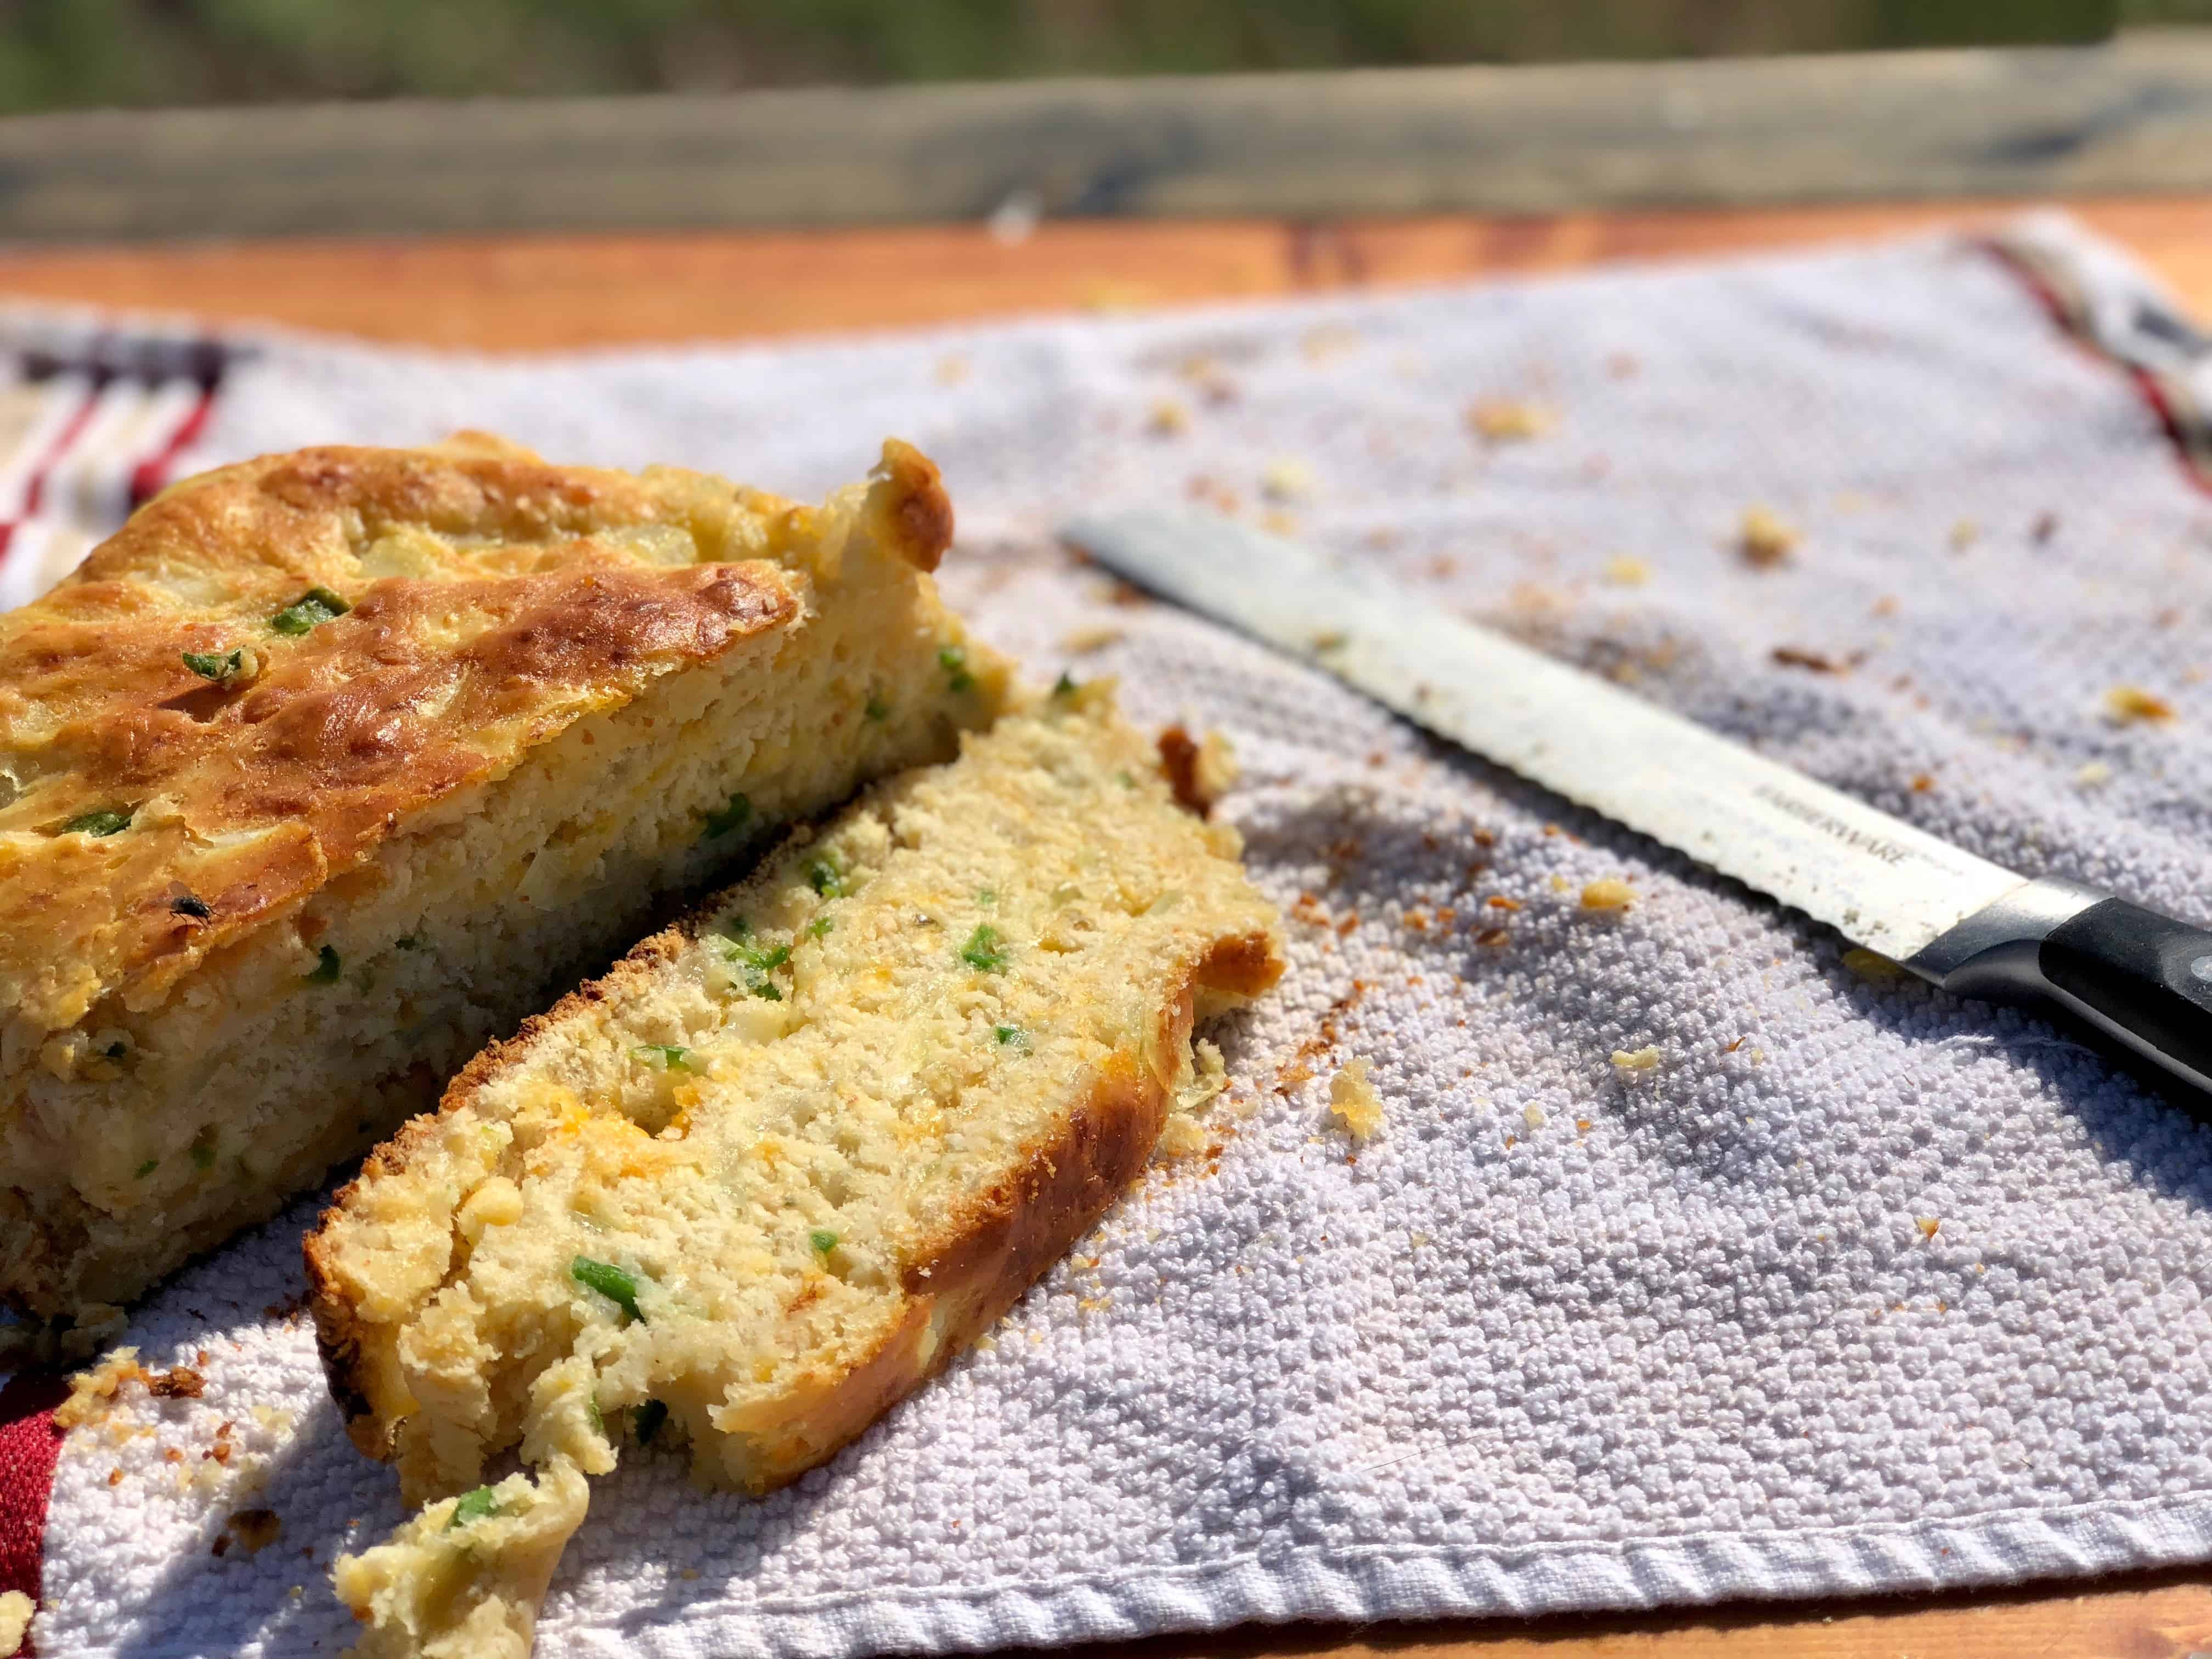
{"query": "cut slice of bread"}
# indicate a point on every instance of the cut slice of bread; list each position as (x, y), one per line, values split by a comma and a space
(329, 767)
(785, 1160)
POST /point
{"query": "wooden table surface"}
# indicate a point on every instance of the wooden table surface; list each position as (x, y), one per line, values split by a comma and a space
(517, 293)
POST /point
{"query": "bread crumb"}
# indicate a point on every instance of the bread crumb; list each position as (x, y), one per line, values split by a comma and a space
(92, 1393)
(1499, 902)
(1964, 534)
(1922, 783)
(1200, 773)
(16, 1611)
(1791, 656)
(1929, 1225)
(1645, 1058)
(1533, 1115)
(1493, 937)
(1167, 419)
(1872, 966)
(1626, 573)
(2126, 704)
(2093, 774)
(1276, 522)
(1352, 1100)
(252, 1530)
(1286, 481)
(1609, 893)
(1505, 421)
(1764, 539)
(1183, 1137)
(1212, 492)
(1082, 642)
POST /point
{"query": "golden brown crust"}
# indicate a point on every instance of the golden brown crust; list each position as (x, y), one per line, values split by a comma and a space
(1244, 966)
(522, 607)
(1179, 764)
(920, 510)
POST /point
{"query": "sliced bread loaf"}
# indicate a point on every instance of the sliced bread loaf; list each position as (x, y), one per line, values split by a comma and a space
(783, 1162)
(331, 766)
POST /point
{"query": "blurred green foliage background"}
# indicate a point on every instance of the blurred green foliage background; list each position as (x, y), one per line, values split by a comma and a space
(66, 53)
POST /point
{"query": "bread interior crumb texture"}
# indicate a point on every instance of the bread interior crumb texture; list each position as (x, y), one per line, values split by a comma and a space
(784, 1161)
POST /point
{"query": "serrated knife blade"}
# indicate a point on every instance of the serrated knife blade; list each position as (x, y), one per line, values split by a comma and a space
(2135, 976)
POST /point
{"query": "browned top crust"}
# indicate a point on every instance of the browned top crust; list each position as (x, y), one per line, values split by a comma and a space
(495, 600)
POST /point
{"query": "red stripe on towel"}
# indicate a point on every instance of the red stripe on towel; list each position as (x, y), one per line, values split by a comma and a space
(147, 477)
(34, 491)
(30, 1445)
(2161, 399)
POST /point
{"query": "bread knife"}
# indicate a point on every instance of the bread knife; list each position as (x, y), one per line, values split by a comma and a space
(2140, 980)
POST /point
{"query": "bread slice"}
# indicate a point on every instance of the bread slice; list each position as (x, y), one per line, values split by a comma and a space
(331, 766)
(784, 1161)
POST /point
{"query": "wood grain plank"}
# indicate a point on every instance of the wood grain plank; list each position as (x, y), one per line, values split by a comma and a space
(523, 293)
(2132, 116)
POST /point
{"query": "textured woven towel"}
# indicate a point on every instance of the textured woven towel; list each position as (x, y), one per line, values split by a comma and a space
(1858, 1288)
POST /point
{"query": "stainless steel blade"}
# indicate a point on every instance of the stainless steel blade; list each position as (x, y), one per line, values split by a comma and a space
(1884, 884)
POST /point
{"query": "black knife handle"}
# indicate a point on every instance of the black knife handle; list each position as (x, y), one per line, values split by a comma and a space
(2142, 979)
(2138, 980)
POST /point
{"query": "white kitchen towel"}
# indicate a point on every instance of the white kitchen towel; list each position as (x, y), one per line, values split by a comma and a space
(1858, 1287)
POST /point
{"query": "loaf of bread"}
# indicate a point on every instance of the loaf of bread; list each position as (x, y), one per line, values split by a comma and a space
(330, 767)
(783, 1162)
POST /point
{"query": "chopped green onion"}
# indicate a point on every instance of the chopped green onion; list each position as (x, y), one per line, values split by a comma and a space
(729, 819)
(1125, 779)
(221, 666)
(650, 1416)
(823, 1240)
(477, 1505)
(326, 968)
(953, 660)
(1065, 686)
(105, 822)
(203, 1149)
(672, 1058)
(757, 961)
(826, 876)
(146, 1168)
(876, 708)
(311, 610)
(597, 1418)
(1011, 1036)
(984, 952)
(819, 928)
(986, 896)
(608, 1280)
